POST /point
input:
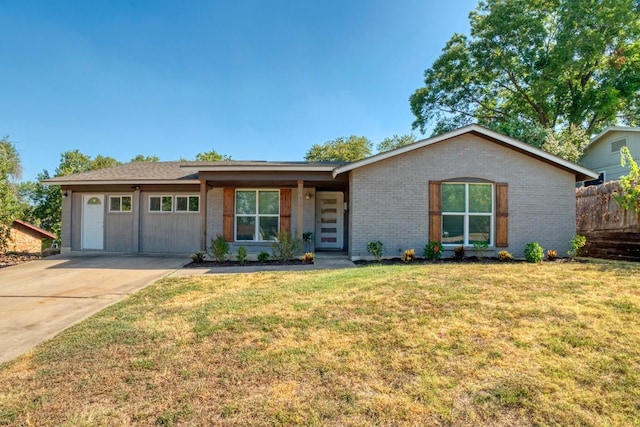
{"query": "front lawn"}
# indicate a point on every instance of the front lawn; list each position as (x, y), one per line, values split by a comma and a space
(465, 344)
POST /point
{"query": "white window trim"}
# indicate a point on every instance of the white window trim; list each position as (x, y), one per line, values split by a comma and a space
(186, 196)
(257, 216)
(160, 197)
(120, 196)
(466, 215)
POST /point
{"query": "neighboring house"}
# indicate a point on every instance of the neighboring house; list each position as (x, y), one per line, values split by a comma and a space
(27, 238)
(465, 186)
(602, 155)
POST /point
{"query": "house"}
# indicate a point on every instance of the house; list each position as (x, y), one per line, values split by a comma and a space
(603, 152)
(27, 238)
(465, 186)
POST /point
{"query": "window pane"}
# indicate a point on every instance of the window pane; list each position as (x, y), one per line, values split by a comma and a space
(181, 203)
(246, 228)
(114, 204)
(245, 202)
(453, 198)
(154, 204)
(268, 227)
(480, 198)
(479, 229)
(194, 203)
(269, 202)
(167, 203)
(126, 203)
(452, 229)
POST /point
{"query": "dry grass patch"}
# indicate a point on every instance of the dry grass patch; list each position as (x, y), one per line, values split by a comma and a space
(521, 344)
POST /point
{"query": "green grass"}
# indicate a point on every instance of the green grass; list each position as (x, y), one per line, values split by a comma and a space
(464, 344)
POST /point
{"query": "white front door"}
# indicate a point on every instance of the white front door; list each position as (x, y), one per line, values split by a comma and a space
(92, 221)
(329, 219)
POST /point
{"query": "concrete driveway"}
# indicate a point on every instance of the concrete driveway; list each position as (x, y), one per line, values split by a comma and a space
(39, 299)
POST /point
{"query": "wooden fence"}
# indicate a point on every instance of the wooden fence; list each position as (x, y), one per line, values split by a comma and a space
(611, 231)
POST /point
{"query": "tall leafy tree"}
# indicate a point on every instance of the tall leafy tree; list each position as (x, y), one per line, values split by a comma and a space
(340, 149)
(530, 67)
(10, 169)
(143, 158)
(396, 141)
(212, 156)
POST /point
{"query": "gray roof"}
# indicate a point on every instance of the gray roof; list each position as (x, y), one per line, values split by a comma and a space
(177, 171)
(143, 171)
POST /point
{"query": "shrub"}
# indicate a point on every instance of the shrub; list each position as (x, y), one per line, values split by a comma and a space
(242, 255)
(480, 248)
(198, 257)
(552, 255)
(375, 249)
(505, 256)
(263, 257)
(458, 252)
(219, 248)
(285, 246)
(533, 252)
(433, 250)
(409, 256)
(577, 244)
(308, 257)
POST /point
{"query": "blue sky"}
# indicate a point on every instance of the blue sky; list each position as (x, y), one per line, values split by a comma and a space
(254, 79)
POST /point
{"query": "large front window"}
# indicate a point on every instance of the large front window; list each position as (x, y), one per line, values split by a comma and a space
(257, 214)
(467, 213)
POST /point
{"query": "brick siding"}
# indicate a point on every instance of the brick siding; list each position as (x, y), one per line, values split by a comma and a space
(389, 199)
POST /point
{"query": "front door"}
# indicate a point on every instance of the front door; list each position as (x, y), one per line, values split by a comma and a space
(329, 219)
(92, 222)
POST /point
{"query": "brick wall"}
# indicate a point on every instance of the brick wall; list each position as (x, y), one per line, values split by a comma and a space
(24, 240)
(389, 199)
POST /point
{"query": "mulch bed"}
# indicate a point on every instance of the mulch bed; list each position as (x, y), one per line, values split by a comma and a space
(10, 259)
(214, 264)
(471, 259)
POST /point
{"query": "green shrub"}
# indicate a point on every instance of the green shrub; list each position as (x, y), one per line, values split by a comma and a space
(458, 252)
(409, 256)
(505, 256)
(577, 244)
(375, 249)
(533, 252)
(285, 246)
(263, 257)
(219, 248)
(242, 255)
(480, 248)
(198, 257)
(433, 250)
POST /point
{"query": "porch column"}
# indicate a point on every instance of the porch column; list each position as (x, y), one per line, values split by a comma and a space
(300, 209)
(67, 217)
(203, 215)
(137, 215)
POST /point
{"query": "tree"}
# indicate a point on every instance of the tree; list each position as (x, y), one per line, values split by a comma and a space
(103, 162)
(45, 201)
(212, 156)
(530, 66)
(395, 142)
(340, 149)
(10, 170)
(629, 196)
(568, 143)
(141, 158)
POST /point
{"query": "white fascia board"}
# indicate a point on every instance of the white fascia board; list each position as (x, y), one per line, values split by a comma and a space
(461, 131)
(613, 129)
(122, 182)
(256, 168)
